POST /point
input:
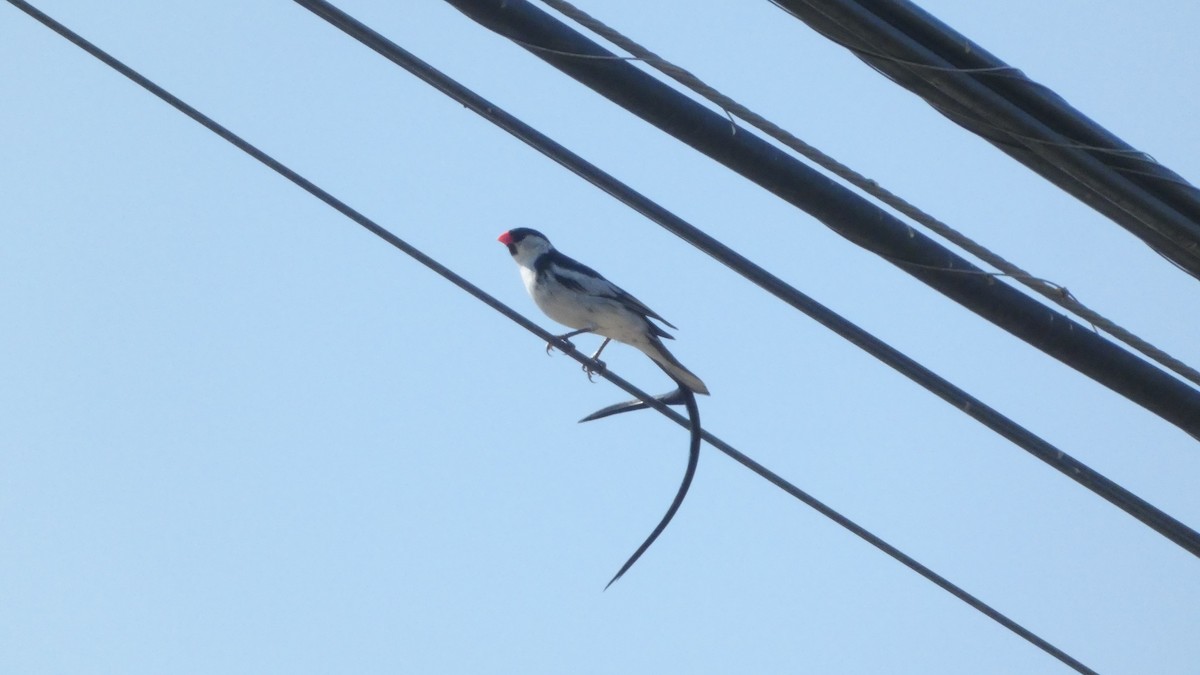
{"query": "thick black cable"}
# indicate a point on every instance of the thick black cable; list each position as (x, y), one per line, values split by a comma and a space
(1135, 506)
(848, 214)
(525, 323)
(1043, 104)
(896, 70)
(1020, 117)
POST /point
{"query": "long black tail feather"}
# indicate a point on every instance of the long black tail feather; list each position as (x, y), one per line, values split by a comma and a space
(685, 396)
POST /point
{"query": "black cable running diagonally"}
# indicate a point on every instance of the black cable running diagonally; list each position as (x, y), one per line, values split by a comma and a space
(1137, 507)
(1022, 118)
(525, 323)
(848, 214)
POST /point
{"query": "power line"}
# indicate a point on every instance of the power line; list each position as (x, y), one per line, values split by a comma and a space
(519, 319)
(1051, 291)
(1020, 117)
(848, 214)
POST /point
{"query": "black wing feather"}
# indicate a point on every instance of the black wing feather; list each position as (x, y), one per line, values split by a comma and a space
(554, 257)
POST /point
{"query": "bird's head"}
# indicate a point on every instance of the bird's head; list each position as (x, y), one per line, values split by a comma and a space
(525, 244)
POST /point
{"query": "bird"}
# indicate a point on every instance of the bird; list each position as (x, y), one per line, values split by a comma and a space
(580, 298)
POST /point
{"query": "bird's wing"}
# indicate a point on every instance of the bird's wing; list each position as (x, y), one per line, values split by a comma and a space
(579, 277)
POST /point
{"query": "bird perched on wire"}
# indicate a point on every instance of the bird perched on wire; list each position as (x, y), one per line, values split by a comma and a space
(576, 296)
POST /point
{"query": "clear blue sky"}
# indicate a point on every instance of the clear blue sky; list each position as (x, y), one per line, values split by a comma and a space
(242, 435)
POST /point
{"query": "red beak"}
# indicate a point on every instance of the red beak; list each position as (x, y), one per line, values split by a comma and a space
(505, 239)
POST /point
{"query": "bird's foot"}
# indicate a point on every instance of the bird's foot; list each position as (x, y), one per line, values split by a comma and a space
(591, 370)
(551, 346)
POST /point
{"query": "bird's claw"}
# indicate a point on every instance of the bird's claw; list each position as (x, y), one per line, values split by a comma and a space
(592, 370)
(551, 346)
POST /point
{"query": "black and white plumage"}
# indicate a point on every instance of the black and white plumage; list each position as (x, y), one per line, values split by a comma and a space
(577, 296)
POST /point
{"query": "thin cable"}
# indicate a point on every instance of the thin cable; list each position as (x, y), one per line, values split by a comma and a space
(1052, 291)
(525, 323)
